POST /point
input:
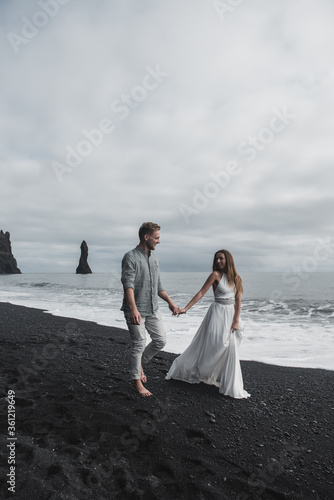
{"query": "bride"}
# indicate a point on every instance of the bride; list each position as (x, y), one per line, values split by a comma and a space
(212, 357)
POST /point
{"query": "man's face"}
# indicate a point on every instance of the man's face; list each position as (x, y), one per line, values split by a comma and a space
(152, 240)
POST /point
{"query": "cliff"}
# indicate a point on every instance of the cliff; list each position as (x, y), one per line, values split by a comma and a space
(8, 264)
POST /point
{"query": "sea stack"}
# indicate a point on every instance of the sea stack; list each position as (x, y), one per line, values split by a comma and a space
(83, 267)
(8, 264)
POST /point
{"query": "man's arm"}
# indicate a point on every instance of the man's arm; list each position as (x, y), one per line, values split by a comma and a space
(163, 295)
(128, 280)
(134, 313)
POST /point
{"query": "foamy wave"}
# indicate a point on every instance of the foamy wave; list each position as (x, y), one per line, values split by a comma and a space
(297, 331)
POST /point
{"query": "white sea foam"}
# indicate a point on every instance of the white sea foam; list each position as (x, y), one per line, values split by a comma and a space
(296, 331)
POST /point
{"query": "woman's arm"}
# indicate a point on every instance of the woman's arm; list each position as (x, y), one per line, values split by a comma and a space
(237, 308)
(209, 282)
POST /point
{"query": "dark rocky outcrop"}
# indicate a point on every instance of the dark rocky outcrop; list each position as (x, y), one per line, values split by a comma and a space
(8, 264)
(83, 267)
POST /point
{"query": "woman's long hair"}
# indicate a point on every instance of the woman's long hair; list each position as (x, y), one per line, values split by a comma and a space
(233, 277)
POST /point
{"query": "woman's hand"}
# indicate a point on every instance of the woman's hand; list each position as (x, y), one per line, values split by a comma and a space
(181, 311)
(235, 325)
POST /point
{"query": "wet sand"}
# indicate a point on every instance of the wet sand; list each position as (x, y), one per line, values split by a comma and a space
(82, 432)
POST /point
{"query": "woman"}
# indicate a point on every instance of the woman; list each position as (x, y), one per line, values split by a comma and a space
(212, 356)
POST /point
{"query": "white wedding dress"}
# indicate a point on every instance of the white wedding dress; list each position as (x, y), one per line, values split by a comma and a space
(213, 355)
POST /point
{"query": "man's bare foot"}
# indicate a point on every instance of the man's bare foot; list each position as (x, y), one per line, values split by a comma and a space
(143, 377)
(141, 389)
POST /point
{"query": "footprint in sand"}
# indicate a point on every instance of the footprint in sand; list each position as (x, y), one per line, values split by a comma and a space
(123, 395)
(140, 411)
(53, 470)
(198, 436)
(198, 465)
(164, 471)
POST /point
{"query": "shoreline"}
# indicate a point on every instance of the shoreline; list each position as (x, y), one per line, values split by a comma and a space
(82, 430)
(70, 318)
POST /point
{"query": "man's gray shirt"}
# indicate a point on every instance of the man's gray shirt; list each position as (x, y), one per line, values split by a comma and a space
(141, 272)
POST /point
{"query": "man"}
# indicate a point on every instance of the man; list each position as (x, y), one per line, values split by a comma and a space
(142, 286)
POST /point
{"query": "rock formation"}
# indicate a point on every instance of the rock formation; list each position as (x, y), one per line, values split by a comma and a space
(8, 264)
(83, 267)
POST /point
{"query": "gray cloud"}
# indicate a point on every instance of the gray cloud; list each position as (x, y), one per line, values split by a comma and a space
(222, 81)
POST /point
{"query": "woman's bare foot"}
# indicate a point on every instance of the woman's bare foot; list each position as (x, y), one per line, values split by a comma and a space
(141, 389)
(143, 377)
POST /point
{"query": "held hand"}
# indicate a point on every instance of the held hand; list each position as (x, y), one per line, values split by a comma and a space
(135, 317)
(235, 325)
(181, 311)
(174, 309)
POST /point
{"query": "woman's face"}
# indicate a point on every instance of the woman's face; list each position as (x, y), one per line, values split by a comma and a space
(220, 261)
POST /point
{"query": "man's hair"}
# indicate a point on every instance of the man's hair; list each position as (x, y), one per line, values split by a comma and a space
(147, 228)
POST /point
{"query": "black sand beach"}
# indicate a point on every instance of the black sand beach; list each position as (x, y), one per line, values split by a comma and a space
(83, 433)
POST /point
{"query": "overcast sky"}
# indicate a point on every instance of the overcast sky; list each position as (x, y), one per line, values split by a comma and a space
(216, 121)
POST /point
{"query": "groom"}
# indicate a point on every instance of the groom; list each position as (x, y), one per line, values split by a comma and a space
(142, 286)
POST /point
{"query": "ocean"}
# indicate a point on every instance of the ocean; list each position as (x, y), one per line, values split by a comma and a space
(289, 318)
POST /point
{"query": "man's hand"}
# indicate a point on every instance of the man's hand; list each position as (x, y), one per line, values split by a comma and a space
(181, 311)
(135, 316)
(174, 309)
